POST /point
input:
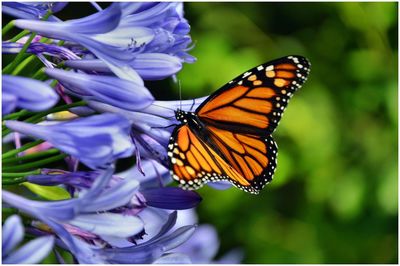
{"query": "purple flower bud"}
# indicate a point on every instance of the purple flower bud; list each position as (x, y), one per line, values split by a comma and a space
(26, 93)
(39, 48)
(171, 198)
(81, 180)
(96, 140)
(110, 90)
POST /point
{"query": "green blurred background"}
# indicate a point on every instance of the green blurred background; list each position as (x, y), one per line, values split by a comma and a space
(334, 195)
(334, 198)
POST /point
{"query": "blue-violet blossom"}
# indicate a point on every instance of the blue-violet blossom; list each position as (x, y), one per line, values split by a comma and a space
(26, 93)
(97, 140)
(119, 33)
(31, 252)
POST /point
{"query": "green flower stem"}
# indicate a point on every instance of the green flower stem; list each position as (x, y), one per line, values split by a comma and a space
(9, 211)
(35, 164)
(23, 148)
(29, 157)
(39, 74)
(23, 174)
(23, 64)
(17, 115)
(20, 35)
(38, 116)
(20, 55)
(7, 27)
(13, 181)
(8, 68)
(53, 83)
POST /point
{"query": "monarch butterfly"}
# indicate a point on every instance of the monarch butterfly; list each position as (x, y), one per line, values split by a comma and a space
(228, 137)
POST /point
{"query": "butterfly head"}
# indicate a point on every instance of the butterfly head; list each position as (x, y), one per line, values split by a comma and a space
(182, 116)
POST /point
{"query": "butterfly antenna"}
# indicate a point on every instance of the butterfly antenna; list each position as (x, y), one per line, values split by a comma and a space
(180, 94)
(163, 107)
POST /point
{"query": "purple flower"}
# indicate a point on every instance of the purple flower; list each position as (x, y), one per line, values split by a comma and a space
(32, 10)
(143, 253)
(26, 93)
(152, 249)
(97, 198)
(107, 214)
(110, 90)
(170, 198)
(119, 33)
(83, 211)
(39, 48)
(96, 140)
(31, 252)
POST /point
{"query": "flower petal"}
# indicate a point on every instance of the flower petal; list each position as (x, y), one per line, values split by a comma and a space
(30, 94)
(155, 66)
(32, 252)
(113, 197)
(9, 102)
(81, 250)
(109, 224)
(202, 246)
(150, 66)
(171, 198)
(110, 90)
(13, 233)
(63, 210)
(173, 258)
(97, 140)
(99, 22)
(177, 238)
(32, 10)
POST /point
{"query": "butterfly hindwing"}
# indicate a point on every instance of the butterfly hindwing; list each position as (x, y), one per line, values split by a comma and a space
(194, 163)
(254, 101)
(252, 156)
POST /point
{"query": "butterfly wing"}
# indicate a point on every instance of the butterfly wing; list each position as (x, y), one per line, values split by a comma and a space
(253, 102)
(194, 162)
(252, 156)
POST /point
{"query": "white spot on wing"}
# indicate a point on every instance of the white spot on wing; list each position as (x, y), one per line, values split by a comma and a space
(246, 74)
(269, 68)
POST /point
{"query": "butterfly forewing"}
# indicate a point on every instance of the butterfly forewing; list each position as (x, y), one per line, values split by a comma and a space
(254, 101)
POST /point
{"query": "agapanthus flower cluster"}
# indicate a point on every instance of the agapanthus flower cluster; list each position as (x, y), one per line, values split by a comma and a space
(74, 102)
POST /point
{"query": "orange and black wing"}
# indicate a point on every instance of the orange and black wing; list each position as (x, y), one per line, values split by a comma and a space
(252, 156)
(194, 163)
(248, 162)
(253, 102)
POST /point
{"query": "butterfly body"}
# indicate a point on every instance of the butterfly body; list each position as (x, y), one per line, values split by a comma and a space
(228, 137)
